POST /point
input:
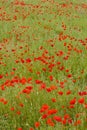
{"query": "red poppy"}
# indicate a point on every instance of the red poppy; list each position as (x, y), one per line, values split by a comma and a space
(50, 122)
(20, 128)
(57, 118)
(60, 93)
(69, 75)
(12, 108)
(81, 100)
(18, 112)
(44, 108)
(37, 124)
(1, 76)
(31, 129)
(78, 122)
(73, 101)
(44, 116)
(53, 100)
(68, 92)
(64, 121)
(52, 111)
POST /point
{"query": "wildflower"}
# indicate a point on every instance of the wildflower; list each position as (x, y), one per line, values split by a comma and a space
(66, 116)
(44, 108)
(21, 105)
(5, 102)
(1, 76)
(64, 121)
(60, 93)
(50, 122)
(71, 106)
(81, 100)
(57, 118)
(27, 91)
(23, 80)
(78, 122)
(53, 87)
(28, 60)
(18, 112)
(44, 116)
(69, 75)
(73, 101)
(37, 124)
(51, 78)
(20, 128)
(48, 89)
(52, 111)
(12, 108)
(68, 92)
(38, 81)
(31, 129)
(53, 100)
(43, 86)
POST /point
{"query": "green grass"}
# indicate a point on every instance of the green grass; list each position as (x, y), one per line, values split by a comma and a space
(43, 50)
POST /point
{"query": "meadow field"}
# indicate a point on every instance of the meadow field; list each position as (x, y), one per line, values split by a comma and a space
(43, 64)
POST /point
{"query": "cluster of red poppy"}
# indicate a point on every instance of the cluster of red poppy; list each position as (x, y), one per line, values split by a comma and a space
(43, 65)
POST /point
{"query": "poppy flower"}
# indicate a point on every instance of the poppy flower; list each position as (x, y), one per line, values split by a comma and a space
(60, 93)
(73, 101)
(1, 76)
(37, 124)
(50, 122)
(57, 118)
(81, 100)
(31, 129)
(20, 128)
(52, 111)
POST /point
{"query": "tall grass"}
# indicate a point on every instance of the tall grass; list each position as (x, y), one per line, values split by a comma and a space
(43, 65)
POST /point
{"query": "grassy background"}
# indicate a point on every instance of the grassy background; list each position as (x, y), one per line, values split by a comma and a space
(49, 31)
